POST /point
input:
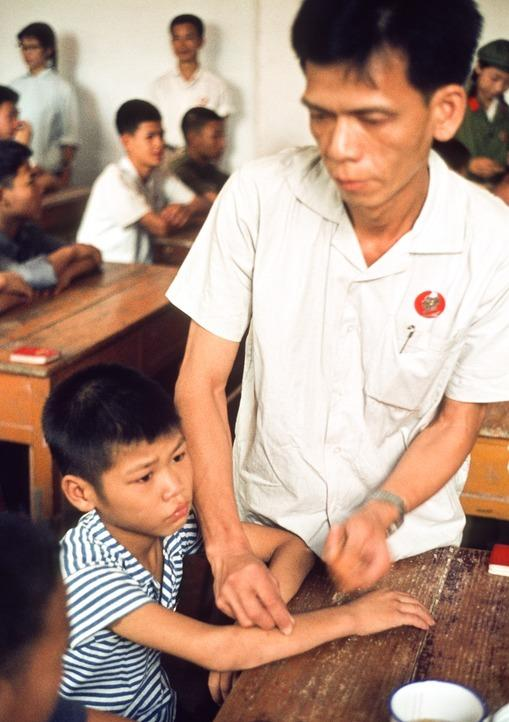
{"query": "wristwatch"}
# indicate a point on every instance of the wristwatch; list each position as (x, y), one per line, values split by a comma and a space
(395, 500)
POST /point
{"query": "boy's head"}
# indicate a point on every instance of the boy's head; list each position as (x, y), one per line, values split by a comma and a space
(33, 626)
(20, 198)
(204, 132)
(8, 113)
(114, 434)
(139, 126)
(491, 73)
(187, 37)
(38, 45)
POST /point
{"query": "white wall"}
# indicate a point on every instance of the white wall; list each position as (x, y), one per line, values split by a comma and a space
(112, 49)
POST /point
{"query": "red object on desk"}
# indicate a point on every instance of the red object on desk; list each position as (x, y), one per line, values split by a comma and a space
(499, 560)
(33, 355)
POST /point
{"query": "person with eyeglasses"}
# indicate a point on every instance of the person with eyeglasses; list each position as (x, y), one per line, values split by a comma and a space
(48, 103)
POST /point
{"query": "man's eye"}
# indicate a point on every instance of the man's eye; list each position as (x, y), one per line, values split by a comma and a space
(178, 457)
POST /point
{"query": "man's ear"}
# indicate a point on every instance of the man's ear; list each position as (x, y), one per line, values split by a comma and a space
(79, 493)
(448, 107)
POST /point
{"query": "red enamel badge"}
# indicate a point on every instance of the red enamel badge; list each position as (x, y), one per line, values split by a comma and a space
(473, 104)
(429, 304)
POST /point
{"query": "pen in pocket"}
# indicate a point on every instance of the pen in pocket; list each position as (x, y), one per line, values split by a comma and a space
(410, 330)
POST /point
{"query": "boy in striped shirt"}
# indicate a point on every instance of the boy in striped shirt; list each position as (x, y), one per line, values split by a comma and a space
(116, 439)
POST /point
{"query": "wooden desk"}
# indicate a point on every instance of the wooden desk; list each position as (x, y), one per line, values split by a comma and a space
(119, 315)
(350, 680)
(486, 492)
(62, 212)
(173, 249)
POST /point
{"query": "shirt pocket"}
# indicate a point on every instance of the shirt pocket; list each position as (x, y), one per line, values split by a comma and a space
(410, 367)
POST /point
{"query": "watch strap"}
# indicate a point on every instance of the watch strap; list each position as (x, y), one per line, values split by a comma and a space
(390, 498)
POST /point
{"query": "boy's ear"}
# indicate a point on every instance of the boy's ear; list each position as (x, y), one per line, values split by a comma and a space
(79, 493)
(124, 139)
(448, 106)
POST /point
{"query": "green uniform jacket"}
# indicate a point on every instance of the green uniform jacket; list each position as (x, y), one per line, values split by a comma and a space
(485, 138)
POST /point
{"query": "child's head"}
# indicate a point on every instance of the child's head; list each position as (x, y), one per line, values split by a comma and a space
(115, 436)
(187, 37)
(20, 198)
(139, 126)
(203, 130)
(491, 74)
(33, 626)
(38, 46)
(8, 113)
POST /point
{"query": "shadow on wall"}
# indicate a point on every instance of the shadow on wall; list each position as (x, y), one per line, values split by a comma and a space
(88, 159)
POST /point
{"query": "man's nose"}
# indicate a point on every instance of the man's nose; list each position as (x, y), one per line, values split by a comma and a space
(344, 142)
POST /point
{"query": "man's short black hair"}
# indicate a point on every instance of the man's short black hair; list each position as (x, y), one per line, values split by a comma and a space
(133, 113)
(45, 35)
(29, 571)
(89, 415)
(8, 95)
(196, 118)
(437, 38)
(12, 156)
(193, 20)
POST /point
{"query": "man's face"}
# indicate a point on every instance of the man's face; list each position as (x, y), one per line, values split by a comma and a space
(8, 120)
(209, 142)
(374, 133)
(22, 200)
(186, 42)
(147, 492)
(35, 687)
(34, 55)
(145, 146)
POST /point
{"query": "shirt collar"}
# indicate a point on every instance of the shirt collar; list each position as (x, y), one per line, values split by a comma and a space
(177, 74)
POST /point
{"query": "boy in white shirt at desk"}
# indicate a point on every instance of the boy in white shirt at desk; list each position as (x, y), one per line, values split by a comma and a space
(129, 201)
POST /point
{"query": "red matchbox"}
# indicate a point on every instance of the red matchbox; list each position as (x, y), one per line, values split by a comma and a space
(499, 560)
(33, 355)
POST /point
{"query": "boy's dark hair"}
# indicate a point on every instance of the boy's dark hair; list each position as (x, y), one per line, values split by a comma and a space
(437, 38)
(46, 37)
(12, 156)
(193, 20)
(29, 571)
(8, 95)
(133, 113)
(87, 416)
(196, 118)
(455, 154)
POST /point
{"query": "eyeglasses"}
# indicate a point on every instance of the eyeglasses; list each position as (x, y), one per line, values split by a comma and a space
(29, 46)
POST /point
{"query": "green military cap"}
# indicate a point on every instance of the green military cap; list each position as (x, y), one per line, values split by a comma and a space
(495, 53)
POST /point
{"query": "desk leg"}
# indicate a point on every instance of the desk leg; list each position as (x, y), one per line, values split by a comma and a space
(41, 467)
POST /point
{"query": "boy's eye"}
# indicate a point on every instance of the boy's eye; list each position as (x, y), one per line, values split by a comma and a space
(146, 478)
(178, 457)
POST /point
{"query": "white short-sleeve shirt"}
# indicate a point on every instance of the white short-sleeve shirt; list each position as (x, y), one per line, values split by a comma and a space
(118, 200)
(174, 96)
(49, 104)
(335, 386)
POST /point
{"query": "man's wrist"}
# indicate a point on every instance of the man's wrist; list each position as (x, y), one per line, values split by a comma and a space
(391, 509)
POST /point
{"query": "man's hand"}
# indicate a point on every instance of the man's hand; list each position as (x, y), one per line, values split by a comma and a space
(246, 591)
(220, 685)
(356, 553)
(484, 167)
(176, 216)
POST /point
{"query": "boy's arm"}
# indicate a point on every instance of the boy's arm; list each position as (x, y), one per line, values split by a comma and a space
(233, 647)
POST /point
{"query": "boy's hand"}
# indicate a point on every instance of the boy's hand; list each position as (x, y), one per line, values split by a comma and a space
(176, 216)
(377, 611)
(484, 167)
(14, 285)
(220, 685)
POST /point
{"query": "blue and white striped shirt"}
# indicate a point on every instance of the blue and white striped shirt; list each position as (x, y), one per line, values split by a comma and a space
(104, 583)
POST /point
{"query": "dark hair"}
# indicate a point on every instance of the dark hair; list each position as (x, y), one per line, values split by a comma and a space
(455, 154)
(8, 95)
(193, 20)
(87, 416)
(437, 38)
(46, 37)
(12, 156)
(134, 112)
(29, 571)
(196, 118)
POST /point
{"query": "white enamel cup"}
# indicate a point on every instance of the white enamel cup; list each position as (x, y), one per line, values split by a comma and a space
(436, 700)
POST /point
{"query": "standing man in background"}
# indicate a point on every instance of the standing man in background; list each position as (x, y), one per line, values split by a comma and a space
(188, 85)
(374, 284)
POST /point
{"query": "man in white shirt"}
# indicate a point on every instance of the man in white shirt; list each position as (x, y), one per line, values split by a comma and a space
(373, 281)
(188, 85)
(130, 201)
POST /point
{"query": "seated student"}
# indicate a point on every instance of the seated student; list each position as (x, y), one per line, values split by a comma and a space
(33, 628)
(13, 290)
(115, 436)
(128, 203)
(485, 127)
(11, 127)
(205, 142)
(49, 103)
(188, 84)
(24, 248)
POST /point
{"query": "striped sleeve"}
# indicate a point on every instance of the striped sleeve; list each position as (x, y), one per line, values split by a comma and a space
(190, 536)
(97, 596)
